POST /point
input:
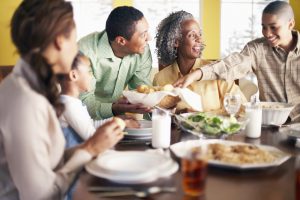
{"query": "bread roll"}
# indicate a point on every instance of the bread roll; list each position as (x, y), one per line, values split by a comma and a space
(168, 87)
(120, 122)
(143, 89)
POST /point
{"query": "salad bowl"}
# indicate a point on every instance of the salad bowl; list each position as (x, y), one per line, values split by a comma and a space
(209, 125)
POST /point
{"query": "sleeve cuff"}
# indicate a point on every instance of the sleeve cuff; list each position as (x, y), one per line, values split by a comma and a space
(78, 160)
(105, 111)
(206, 72)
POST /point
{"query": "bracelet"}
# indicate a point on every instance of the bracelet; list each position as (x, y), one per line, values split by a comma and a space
(201, 75)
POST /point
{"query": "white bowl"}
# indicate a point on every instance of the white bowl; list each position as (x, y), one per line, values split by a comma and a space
(275, 113)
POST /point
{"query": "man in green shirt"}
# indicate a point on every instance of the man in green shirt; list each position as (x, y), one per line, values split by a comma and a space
(120, 57)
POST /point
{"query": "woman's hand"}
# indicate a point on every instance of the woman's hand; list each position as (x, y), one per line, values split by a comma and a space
(188, 79)
(105, 137)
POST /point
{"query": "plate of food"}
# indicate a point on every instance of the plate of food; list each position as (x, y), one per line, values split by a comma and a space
(210, 125)
(235, 155)
(163, 96)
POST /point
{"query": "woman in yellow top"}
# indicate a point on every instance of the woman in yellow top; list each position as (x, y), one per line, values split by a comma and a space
(179, 47)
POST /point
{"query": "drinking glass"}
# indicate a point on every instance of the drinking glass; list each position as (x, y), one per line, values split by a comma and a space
(232, 103)
(194, 173)
(161, 128)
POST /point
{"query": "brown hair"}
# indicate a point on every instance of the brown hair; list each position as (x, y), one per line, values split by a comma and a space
(79, 59)
(34, 25)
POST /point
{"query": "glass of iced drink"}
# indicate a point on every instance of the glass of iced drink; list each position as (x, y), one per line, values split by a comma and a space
(194, 172)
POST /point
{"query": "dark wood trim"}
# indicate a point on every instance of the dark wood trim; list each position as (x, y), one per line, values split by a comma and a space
(4, 71)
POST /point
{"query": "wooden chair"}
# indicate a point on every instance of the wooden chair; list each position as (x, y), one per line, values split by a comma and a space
(4, 71)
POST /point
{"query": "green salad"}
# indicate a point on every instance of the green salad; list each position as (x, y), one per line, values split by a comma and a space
(211, 124)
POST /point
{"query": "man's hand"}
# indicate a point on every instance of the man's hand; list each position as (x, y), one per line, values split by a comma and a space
(123, 105)
(188, 79)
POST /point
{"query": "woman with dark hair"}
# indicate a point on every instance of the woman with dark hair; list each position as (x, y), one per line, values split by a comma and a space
(33, 163)
(179, 47)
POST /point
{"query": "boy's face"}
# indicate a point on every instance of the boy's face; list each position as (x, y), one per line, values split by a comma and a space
(277, 30)
(85, 76)
(139, 39)
(191, 44)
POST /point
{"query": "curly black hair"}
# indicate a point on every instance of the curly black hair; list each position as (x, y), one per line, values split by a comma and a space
(168, 31)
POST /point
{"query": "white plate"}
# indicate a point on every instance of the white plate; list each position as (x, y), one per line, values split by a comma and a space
(132, 166)
(145, 129)
(182, 148)
(135, 137)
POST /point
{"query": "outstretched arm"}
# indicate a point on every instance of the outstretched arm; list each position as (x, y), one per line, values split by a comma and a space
(233, 67)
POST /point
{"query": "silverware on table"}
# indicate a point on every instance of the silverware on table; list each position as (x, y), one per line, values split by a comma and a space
(108, 188)
(114, 192)
(146, 142)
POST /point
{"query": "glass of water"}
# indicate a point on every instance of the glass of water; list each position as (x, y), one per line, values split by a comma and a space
(232, 103)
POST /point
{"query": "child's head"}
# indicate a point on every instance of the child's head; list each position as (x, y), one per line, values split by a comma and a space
(278, 23)
(79, 77)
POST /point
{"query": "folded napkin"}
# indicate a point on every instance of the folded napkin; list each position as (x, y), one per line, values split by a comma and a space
(152, 99)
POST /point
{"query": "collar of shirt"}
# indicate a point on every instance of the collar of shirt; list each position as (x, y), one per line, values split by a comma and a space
(65, 98)
(22, 68)
(196, 65)
(296, 50)
(105, 50)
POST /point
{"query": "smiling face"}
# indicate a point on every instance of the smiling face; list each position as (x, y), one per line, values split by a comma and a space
(139, 39)
(191, 44)
(277, 30)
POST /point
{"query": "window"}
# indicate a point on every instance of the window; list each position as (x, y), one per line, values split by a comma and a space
(156, 10)
(240, 23)
(90, 15)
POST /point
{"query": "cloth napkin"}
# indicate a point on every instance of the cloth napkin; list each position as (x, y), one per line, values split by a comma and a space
(189, 97)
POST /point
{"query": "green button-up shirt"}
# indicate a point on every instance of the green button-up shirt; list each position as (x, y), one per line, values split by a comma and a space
(112, 74)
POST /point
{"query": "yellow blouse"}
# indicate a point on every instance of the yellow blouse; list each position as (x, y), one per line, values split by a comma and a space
(212, 92)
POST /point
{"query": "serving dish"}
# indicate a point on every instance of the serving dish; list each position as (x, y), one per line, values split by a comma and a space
(208, 125)
(275, 113)
(181, 149)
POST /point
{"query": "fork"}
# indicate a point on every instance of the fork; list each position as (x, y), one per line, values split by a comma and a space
(141, 194)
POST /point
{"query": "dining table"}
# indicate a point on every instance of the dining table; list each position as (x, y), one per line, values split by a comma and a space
(270, 183)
